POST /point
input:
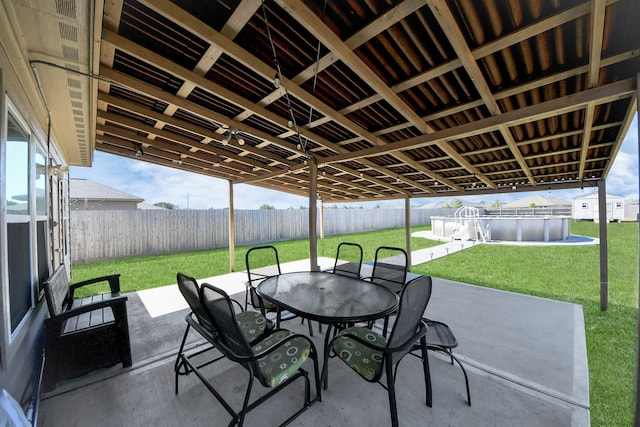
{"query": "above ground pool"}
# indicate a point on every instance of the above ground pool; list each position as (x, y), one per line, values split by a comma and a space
(522, 228)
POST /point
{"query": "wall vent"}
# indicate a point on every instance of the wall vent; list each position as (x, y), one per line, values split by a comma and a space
(70, 53)
(74, 83)
(68, 32)
(66, 8)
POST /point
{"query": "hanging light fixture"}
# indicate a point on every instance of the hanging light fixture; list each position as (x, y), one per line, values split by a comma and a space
(232, 133)
(137, 150)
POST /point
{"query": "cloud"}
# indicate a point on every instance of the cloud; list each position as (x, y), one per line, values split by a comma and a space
(162, 184)
(623, 176)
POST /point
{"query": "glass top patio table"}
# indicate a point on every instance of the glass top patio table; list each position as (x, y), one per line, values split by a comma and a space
(328, 298)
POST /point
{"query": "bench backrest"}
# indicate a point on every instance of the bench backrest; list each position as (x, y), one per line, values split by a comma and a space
(56, 291)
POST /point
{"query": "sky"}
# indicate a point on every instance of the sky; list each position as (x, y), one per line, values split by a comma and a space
(189, 190)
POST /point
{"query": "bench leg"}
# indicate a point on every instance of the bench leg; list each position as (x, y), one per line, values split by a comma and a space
(122, 326)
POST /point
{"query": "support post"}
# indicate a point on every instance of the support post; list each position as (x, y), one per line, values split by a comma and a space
(313, 214)
(232, 231)
(636, 421)
(604, 253)
(407, 228)
(321, 219)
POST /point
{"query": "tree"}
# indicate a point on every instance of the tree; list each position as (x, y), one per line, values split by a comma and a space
(532, 205)
(457, 203)
(497, 204)
(166, 205)
(267, 207)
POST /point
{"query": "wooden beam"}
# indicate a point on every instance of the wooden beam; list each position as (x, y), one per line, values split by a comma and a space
(301, 12)
(598, 8)
(168, 9)
(586, 137)
(613, 91)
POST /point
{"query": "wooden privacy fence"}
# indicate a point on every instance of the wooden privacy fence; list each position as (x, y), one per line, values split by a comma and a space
(99, 235)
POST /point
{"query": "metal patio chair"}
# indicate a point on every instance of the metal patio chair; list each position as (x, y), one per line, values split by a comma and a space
(275, 360)
(390, 268)
(252, 324)
(440, 338)
(266, 255)
(352, 254)
(372, 355)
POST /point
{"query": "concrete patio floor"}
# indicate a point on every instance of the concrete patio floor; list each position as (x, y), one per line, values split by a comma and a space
(525, 356)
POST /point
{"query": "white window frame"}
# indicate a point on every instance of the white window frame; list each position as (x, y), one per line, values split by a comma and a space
(9, 340)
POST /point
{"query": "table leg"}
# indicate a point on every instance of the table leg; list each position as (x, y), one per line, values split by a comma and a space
(327, 350)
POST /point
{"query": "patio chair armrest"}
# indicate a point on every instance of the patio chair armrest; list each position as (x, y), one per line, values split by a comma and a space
(206, 333)
(408, 344)
(113, 279)
(238, 304)
(76, 311)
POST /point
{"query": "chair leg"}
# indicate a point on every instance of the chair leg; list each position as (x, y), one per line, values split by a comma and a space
(466, 378)
(427, 372)
(391, 389)
(179, 363)
(464, 371)
(239, 421)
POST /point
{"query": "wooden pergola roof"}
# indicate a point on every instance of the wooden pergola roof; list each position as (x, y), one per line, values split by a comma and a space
(388, 99)
(391, 99)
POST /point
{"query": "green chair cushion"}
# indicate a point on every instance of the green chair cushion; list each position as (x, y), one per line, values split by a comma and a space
(252, 324)
(362, 359)
(279, 365)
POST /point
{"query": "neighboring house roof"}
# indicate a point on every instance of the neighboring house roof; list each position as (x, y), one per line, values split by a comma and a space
(147, 206)
(539, 201)
(594, 195)
(84, 189)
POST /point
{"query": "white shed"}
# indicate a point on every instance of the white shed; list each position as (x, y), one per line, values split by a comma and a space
(586, 207)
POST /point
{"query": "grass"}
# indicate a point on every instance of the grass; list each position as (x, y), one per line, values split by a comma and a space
(160, 270)
(567, 273)
(572, 274)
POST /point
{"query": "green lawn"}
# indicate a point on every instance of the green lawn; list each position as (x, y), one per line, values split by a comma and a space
(567, 273)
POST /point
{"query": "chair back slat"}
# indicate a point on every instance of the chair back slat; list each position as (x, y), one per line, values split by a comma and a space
(261, 262)
(390, 267)
(352, 254)
(219, 308)
(56, 291)
(413, 303)
(190, 290)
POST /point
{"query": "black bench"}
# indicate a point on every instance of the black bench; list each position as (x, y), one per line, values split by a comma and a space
(83, 334)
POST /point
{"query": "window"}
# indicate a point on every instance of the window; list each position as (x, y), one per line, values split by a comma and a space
(18, 206)
(584, 205)
(618, 205)
(27, 251)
